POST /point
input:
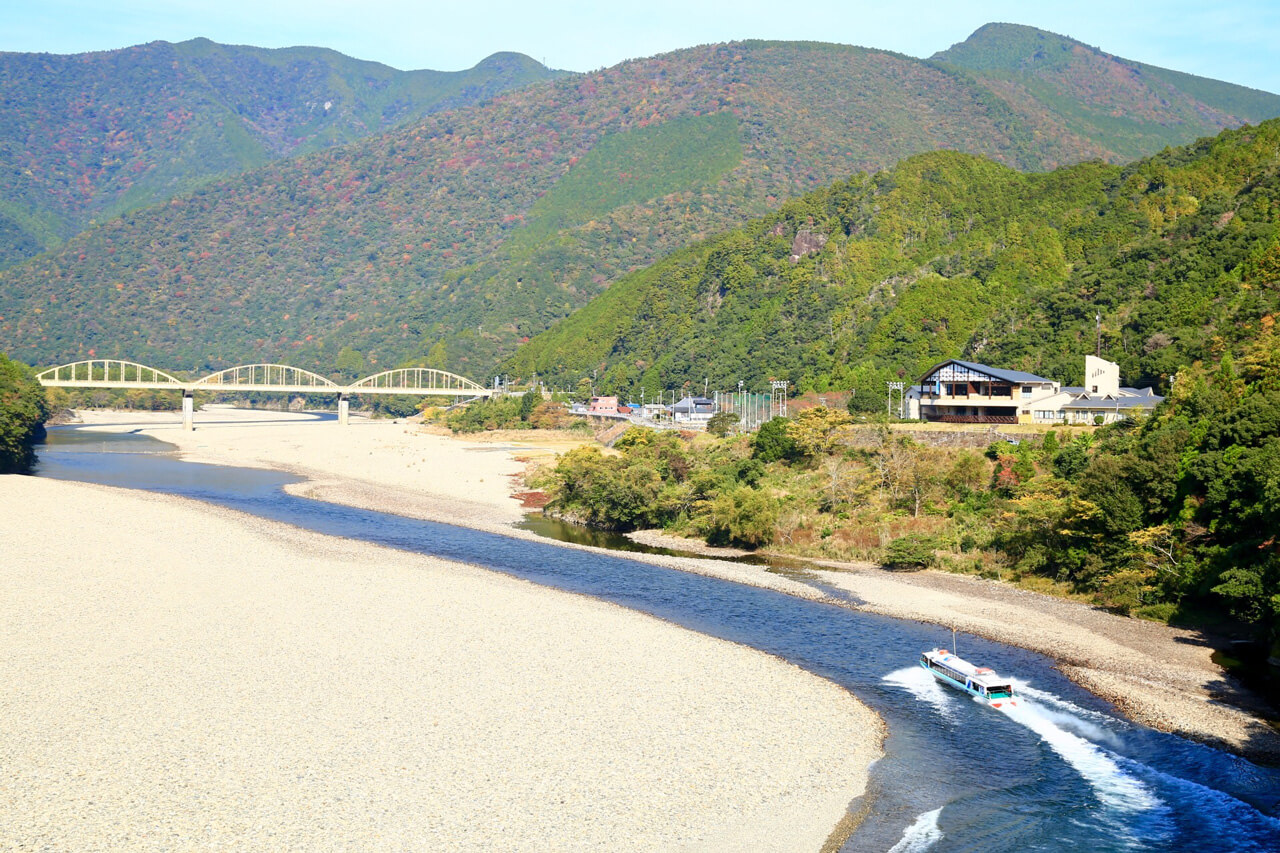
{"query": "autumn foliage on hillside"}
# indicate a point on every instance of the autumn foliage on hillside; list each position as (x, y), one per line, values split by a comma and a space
(92, 135)
(453, 239)
(1158, 265)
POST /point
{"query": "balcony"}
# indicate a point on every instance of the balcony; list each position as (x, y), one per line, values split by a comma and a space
(977, 419)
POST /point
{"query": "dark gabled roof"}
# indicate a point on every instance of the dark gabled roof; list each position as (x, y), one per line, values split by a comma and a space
(693, 404)
(1013, 376)
(1124, 401)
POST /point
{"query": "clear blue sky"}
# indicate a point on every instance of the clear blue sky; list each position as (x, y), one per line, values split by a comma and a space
(1234, 41)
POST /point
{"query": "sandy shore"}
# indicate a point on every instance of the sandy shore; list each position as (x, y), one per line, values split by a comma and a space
(179, 676)
(1160, 676)
(430, 476)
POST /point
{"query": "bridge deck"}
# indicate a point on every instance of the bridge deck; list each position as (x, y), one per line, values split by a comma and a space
(262, 378)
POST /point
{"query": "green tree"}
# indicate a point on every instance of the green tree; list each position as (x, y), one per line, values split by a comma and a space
(721, 422)
(742, 516)
(528, 402)
(23, 411)
(773, 442)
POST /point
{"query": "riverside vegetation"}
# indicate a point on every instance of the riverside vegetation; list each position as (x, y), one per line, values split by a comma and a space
(1173, 517)
(23, 411)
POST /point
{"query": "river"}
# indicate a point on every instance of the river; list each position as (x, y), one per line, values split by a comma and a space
(1061, 772)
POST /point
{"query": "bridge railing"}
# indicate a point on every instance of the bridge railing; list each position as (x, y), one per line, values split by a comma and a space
(265, 377)
(108, 373)
(416, 380)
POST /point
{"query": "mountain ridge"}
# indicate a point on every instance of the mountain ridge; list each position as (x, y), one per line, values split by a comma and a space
(93, 135)
(452, 238)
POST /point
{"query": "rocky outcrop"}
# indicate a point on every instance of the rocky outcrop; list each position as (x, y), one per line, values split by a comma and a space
(806, 243)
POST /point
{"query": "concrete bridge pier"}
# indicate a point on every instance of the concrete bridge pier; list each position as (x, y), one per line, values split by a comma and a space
(344, 409)
(188, 411)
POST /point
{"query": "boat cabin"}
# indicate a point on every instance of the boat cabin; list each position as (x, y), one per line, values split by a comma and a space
(978, 680)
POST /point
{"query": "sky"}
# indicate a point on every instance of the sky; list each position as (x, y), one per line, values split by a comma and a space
(1233, 41)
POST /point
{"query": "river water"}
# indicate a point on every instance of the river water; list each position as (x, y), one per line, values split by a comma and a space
(1061, 772)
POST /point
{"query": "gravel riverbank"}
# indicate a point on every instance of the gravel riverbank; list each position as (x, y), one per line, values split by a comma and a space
(179, 676)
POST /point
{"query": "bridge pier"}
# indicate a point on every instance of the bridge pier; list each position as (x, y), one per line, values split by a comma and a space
(344, 409)
(188, 411)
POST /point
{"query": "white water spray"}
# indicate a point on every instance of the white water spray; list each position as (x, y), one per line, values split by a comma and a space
(921, 835)
(924, 687)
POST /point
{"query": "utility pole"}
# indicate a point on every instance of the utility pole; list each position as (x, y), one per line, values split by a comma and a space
(1098, 321)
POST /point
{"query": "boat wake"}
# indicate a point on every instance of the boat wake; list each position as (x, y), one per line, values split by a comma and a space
(1081, 721)
(924, 687)
(1099, 767)
(921, 835)
(1252, 830)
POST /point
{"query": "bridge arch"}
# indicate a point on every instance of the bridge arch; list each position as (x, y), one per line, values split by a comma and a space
(416, 380)
(107, 373)
(265, 377)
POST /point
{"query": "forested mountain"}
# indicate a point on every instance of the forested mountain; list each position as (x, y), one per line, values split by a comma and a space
(92, 135)
(1169, 261)
(1122, 106)
(454, 238)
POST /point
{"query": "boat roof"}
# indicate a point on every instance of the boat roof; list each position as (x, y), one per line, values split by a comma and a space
(980, 674)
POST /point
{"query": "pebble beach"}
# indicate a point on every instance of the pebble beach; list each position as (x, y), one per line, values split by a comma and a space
(182, 677)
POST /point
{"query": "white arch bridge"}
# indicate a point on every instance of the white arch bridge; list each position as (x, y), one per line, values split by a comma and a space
(282, 378)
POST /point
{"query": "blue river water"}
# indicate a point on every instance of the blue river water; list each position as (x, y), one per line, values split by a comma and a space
(1060, 772)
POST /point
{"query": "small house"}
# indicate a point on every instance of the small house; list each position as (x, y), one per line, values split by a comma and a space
(693, 410)
(603, 406)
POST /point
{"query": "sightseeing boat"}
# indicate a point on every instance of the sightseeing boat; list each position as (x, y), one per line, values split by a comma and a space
(977, 681)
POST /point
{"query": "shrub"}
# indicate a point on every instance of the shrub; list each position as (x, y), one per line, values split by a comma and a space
(742, 516)
(910, 553)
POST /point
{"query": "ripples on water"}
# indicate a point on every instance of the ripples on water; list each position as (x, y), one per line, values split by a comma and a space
(1059, 772)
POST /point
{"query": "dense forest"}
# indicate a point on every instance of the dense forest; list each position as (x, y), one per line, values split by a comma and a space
(454, 238)
(1160, 264)
(92, 135)
(23, 411)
